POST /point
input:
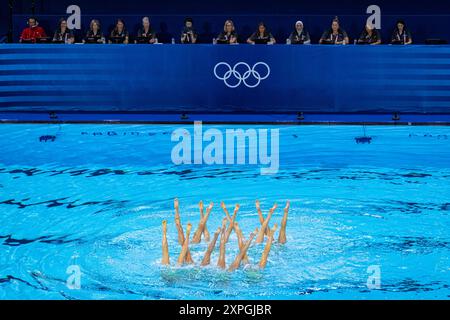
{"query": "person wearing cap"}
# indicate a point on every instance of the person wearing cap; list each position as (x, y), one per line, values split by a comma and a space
(335, 35)
(370, 35)
(299, 35)
(188, 34)
(401, 34)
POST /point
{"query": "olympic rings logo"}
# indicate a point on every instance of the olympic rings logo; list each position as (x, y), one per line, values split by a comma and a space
(244, 77)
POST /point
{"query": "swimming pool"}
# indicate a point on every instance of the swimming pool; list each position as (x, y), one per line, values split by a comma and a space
(96, 196)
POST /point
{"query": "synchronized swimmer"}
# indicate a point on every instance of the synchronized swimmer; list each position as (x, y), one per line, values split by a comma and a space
(229, 225)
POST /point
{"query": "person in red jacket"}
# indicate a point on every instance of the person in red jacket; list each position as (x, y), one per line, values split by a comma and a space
(32, 32)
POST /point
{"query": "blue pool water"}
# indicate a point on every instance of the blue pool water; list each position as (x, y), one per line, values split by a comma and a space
(97, 201)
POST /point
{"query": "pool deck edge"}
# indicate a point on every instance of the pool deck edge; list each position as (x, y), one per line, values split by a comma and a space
(228, 118)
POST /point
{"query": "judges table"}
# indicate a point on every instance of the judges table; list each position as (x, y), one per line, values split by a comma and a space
(258, 79)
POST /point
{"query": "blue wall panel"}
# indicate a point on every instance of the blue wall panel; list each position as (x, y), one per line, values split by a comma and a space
(179, 78)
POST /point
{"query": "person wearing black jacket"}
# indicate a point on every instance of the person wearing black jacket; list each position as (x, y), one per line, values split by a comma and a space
(188, 34)
(95, 34)
(261, 36)
(299, 35)
(401, 34)
(63, 34)
(146, 33)
(334, 35)
(119, 33)
(370, 35)
(228, 35)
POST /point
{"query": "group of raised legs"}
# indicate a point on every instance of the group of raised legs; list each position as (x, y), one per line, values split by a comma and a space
(229, 224)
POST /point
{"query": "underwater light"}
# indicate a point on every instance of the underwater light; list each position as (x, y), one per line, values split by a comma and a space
(47, 138)
(360, 140)
(364, 139)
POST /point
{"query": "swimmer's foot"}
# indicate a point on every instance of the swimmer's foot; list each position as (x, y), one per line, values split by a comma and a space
(282, 235)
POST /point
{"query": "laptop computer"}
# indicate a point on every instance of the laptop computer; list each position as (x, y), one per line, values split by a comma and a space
(117, 40)
(143, 40)
(43, 40)
(92, 40)
(262, 41)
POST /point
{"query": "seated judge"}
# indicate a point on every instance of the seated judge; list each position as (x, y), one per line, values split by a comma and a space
(119, 33)
(401, 34)
(63, 34)
(370, 35)
(32, 32)
(95, 34)
(188, 34)
(228, 35)
(261, 36)
(299, 35)
(335, 35)
(145, 33)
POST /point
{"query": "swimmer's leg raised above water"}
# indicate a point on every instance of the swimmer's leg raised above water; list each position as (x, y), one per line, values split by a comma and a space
(206, 234)
(231, 223)
(221, 262)
(188, 258)
(265, 254)
(236, 263)
(201, 226)
(282, 235)
(224, 208)
(165, 247)
(229, 218)
(178, 222)
(241, 241)
(207, 258)
(260, 216)
(260, 237)
(185, 248)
